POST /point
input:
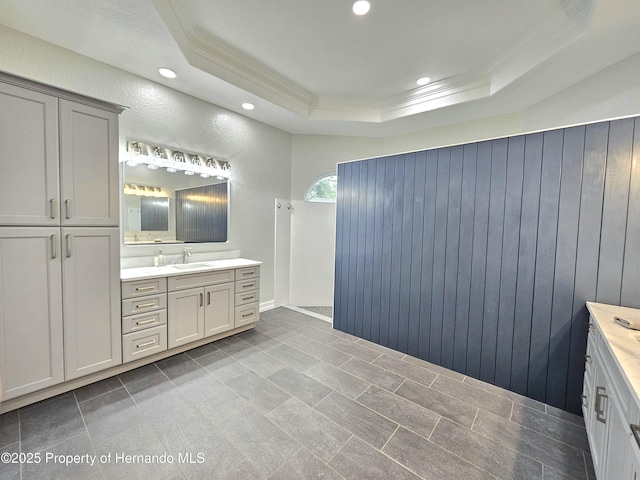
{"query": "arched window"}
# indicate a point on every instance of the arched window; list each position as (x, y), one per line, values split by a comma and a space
(324, 189)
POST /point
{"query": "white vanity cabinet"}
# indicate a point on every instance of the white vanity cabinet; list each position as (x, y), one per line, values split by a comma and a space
(247, 296)
(610, 401)
(199, 306)
(60, 265)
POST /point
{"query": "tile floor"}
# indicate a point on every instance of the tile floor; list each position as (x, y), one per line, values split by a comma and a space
(294, 399)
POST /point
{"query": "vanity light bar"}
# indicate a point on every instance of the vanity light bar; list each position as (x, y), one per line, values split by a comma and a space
(139, 153)
(142, 190)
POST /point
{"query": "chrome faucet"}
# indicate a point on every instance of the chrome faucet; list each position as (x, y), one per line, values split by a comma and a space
(187, 254)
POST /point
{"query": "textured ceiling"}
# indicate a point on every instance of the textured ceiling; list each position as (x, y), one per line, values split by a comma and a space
(314, 67)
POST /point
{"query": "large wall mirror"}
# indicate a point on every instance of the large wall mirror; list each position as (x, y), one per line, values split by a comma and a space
(163, 207)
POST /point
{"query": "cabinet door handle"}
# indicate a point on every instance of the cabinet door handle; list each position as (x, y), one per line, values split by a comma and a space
(201, 299)
(587, 359)
(52, 204)
(585, 404)
(146, 344)
(600, 394)
(68, 238)
(67, 208)
(54, 247)
(208, 298)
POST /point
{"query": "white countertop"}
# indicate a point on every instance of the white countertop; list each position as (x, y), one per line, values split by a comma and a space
(141, 273)
(621, 341)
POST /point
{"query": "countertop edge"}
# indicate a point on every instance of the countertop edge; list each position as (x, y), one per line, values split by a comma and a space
(143, 273)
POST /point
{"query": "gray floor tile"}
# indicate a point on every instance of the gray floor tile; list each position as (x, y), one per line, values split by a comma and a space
(244, 471)
(484, 453)
(355, 349)
(339, 380)
(259, 361)
(406, 413)
(380, 348)
(552, 474)
(10, 470)
(304, 466)
(474, 396)
(139, 441)
(320, 336)
(501, 392)
(215, 400)
(440, 403)
(88, 467)
(562, 457)
(182, 369)
(9, 428)
(49, 422)
(554, 427)
(259, 340)
(293, 357)
(109, 414)
(222, 366)
(406, 369)
(143, 378)
(294, 339)
(434, 368)
(588, 460)
(231, 345)
(98, 388)
(326, 354)
(372, 374)
(202, 350)
(257, 438)
(567, 416)
(358, 461)
(260, 393)
(316, 432)
(370, 426)
(429, 460)
(300, 385)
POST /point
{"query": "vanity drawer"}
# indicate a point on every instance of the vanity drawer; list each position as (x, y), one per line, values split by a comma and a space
(247, 272)
(135, 323)
(247, 297)
(144, 343)
(141, 288)
(133, 306)
(194, 280)
(247, 314)
(247, 285)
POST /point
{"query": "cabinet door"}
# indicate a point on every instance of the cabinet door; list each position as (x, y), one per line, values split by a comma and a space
(31, 345)
(89, 165)
(597, 428)
(618, 439)
(28, 157)
(219, 309)
(91, 281)
(633, 461)
(185, 316)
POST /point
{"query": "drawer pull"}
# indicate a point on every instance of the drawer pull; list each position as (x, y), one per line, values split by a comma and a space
(142, 289)
(600, 394)
(248, 273)
(144, 322)
(146, 305)
(246, 315)
(247, 298)
(145, 344)
(249, 285)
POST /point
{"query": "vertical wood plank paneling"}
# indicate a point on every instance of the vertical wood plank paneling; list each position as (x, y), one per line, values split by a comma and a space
(545, 263)
(427, 254)
(526, 262)
(409, 188)
(479, 257)
(630, 295)
(614, 217)
(439, 252)
(586, 278)
(376, 294)
(464, 261)
(415, 287)
(396, 252)
(494, 259)
(369, 243)
(564, 279)
(510, 244)
(451, 257)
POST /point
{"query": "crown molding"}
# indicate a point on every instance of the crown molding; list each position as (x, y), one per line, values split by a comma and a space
(206, 51)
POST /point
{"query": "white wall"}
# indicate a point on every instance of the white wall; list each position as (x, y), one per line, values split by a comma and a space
(611, 93)
(260, 155)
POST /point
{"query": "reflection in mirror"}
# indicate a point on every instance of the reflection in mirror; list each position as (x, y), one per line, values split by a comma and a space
(164, 207)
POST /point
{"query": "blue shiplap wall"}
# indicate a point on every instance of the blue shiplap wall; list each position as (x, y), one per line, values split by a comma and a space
(481, 257)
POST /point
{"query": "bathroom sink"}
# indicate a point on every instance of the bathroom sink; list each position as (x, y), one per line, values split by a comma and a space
(191, 266)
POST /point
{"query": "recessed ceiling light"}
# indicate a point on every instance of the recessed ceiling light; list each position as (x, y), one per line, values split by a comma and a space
(167, 73)
(423, 81)
(361, 7)
(248, 106)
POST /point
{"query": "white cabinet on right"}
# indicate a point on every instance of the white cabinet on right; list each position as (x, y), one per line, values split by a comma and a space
(247, 296)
